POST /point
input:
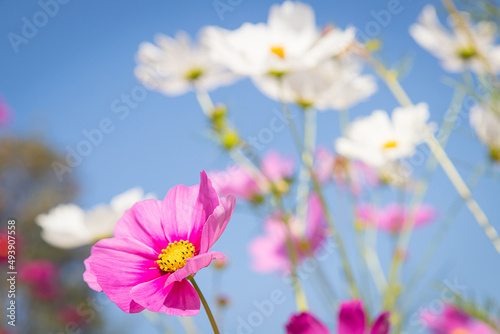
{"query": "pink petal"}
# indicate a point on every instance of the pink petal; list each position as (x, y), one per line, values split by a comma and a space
(182, 300)
(89, 277)
(382, 325)
(152, 294)
(193, 265)
(144, 223)
(186, 209)
(276, 168)
(119, 264)
(425, 214)
(305, 323)
(217, 222)
(316, 224)
(351, 318)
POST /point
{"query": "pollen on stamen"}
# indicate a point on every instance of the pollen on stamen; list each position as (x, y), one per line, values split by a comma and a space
(279, 51)
(175, 255)
(390, 144)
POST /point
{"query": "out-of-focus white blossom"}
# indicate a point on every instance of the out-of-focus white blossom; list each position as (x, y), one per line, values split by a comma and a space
(453, 47)
(69, 226)
(486, 124)
(289, 41)
(334, 84)
(175, 66)
(378, 139)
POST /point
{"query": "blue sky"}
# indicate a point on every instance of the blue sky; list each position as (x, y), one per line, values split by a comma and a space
(66, 77)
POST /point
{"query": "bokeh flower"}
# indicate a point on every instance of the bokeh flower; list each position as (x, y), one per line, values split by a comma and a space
(174, 66)
(157, 246)
(352, 320)
(5, 113)
(378, 139)
(289, 41)
(486, 123)
(332, 84)
(353, 175)
(270, 252)
(392, 217)
(305, 323)
(276, 173)
(69, 226)
(42, 276)
(454, 47)
(452, 320)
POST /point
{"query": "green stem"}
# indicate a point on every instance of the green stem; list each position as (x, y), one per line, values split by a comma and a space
(205, 305)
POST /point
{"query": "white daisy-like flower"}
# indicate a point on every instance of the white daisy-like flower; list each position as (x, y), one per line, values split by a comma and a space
(174, 66)
(334, 84)
(69, 226)
(378, 139)
(486, 124)
(289, 41)
(453, 47)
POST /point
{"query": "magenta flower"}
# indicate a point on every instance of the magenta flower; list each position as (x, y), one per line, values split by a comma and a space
(42, 276)
(275, 174)
(391, 218)
(331, 167)
(352, 320)
(157, 245)
(305, 323)
(454, 320)
(269, 251)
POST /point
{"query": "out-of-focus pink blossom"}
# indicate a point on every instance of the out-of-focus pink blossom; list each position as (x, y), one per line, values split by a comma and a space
(347, 174)
(391, 218)
(454, 320)
(305, 323)
(352, 320)
(4, 247)
(269, 251)
(276, 172)
(42, 276)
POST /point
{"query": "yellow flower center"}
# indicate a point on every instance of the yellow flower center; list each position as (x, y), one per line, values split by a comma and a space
(194, 73)
(279, 51)
(390, 144)
(175, 255)
(467, 52)
(460, 331)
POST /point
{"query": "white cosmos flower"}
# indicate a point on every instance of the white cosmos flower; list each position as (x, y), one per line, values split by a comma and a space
(289, 41)
(453, 47)
(334, 84)
(175, 66)
(378, 139)
(69, 226)
(486, 124)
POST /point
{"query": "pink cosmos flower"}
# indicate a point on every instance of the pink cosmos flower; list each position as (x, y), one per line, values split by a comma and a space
(391, 218)
(454, 320)
(352, 320)
(331, 167)
(276, 173)
(305, 323)
(4, 246)
(156, 246)
(42, 276)
(269, 251)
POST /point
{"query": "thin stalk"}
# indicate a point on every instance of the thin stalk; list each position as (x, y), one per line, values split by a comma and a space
(328, 216)
(205, 305)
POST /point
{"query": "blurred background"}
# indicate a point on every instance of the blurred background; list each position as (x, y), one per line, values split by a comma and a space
(77, 70)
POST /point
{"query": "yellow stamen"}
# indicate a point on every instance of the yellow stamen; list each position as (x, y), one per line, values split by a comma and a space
(390, 144)
(279, 51)
(175, 255)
